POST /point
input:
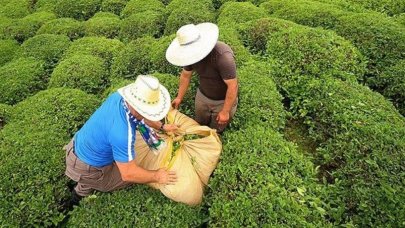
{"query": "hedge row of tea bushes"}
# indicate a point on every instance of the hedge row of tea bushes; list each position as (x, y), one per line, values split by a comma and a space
(32, 170)
(361, 149)
(262, 180)
(380, 39)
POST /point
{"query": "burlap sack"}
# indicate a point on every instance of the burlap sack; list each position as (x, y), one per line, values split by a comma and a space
(192, 159)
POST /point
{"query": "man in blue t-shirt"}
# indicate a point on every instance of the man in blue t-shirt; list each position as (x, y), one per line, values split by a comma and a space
(101, 154)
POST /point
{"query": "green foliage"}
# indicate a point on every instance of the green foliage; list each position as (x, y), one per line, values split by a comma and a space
(182, 12)
(194, 4)
(5, 112)
(8, 48)
(305, 12)
(24, 28)
(142, 56)
(138, 206)
(78, 9)
(21, 78)
(253, 107)
(45, 5)
(392, 85)
(263, 181)
(46, 47)
(400, 18)
(113, 6)
(134, 59)
(104, 48)
(32, 170)
(147, 23)
(390, 7)
(377, 37)
(139, 6)
(104, 24)
(15, 8)
(115, 84)
(232, 13)
(85, 72)
(63, 26)
(304, 50)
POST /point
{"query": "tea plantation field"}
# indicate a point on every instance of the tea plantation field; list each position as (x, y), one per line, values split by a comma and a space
(318, 139)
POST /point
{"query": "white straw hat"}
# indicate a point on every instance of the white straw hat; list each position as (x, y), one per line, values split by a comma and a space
(192, 43)
(148, 97)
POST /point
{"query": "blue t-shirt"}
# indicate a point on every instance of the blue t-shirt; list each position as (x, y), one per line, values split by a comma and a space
(108, 136)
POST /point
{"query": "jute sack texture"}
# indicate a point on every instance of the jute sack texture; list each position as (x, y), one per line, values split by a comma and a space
(192, 152)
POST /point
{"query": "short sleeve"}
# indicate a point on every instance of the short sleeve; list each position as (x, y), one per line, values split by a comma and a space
(188, 68)
(227, 66)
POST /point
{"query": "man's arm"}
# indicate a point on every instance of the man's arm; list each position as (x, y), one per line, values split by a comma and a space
(131, 172)
(230, 99)
(185, 78)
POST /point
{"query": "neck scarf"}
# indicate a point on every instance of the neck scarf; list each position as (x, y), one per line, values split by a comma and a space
(151, 138)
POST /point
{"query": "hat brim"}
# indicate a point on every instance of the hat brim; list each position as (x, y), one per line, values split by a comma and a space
(154, 112)
(184, 55)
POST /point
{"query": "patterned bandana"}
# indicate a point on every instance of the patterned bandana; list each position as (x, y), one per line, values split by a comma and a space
(148, 134)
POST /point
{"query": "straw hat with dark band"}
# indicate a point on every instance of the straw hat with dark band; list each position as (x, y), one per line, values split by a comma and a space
(192, 43)
(148, 97)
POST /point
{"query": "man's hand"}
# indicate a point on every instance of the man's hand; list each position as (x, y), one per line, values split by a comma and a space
(176, 103)
(223, 117)
(162, 176)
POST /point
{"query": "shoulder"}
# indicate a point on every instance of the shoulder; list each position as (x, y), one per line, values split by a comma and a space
(222, 48)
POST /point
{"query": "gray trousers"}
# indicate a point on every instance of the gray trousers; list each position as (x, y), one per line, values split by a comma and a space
(90, 178)
(206, 111)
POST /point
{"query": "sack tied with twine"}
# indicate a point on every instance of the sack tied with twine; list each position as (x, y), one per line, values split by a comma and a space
(192, 152)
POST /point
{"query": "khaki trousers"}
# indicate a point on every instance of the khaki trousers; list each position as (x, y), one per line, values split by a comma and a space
(90, 178)
(206, 111)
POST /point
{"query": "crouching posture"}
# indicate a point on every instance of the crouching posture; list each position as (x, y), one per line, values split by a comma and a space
(101, 154)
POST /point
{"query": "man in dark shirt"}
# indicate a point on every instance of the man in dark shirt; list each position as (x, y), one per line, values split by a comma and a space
(196, 48)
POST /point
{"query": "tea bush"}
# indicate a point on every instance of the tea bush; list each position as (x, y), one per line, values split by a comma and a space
(377, 37)
(147, 23)
(158, 56)
(63, 26)
(400, 19)
(32, 144)
(113, 6)
(103, 25)
(5, 112)
(8, 48)
(85, 72)
(237, 12)
(390, 7)
(365, 165)
(45, 5)
(135, 206)
(102, 47)
(143, 56)
(24, 28)
(392, 85)
(263, 181)
(304, 50)
(139, 6)
(20, 79)
(15, 8)
(77, 9)
(185, 12)
(305, 12)
(46, 47)
(202, 4)
(253, 107)
(134, 59)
